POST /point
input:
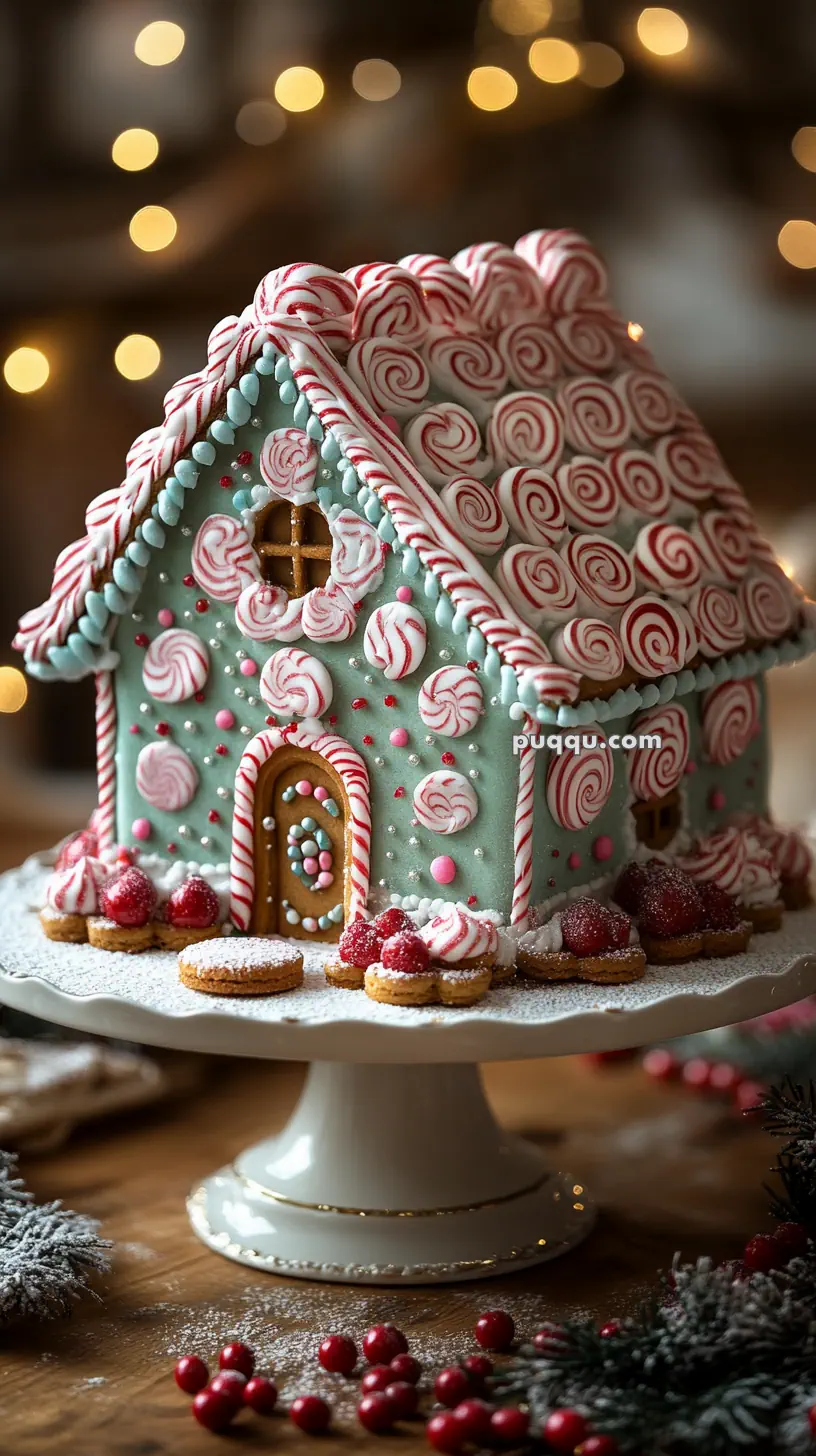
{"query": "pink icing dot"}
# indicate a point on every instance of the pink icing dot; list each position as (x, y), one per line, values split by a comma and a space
(324, 879)
(134, 728)
(443, 869)
(404, 594)
(310, 865)
(309, 923)
(303, 787)
(716, 799)
(324, 859)
(574, 860)
(248, 667)
(398, 737)
(225, 718)
(165, 617)
(690, 767)
(141, 829)
(603, 847)
(321, 793)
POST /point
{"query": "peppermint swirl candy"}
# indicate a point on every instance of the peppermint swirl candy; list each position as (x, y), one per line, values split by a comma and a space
(450, 701)
(691, 464)
(166, 777)
(390, 304)
(532, 504)
(573, 274)
(74, 890)
(589, 493)
(590, 647)
(307, 291)
(391, 374)
(358, 555)
(767, 603)
(445, 441)
(538, 583)
(666, 558)
(551, 683)
(328, 615)
(288, 463)
(578, 785)
(222, 558)
(723, 546)
(531, 354)
(476, 513)
(395, 639)
(651, 401)
(176, 666)
(602, 571)
(265, 613)
(526, 429)
(792, 859)
(505, 287)
(730, 720)
(643, 488)
(655, 772)
(730, 498)
(657, 636)
(718, 620)
(447, 293)
(445, 802)
(719, 859)
(595, 417)
(455, 935)
(465, 367)
(293, 683)
(586, 342)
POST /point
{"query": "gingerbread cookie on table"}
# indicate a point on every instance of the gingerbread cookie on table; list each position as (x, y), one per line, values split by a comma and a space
(585, 941)
(251, 965)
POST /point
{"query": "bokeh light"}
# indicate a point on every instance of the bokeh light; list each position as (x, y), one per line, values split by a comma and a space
(159, 43)
(635, 331)
(137, 356)
(521, 17)
(600, 65)
(491, 88)
(803, 147)
(376, 80)
(260, 122)
(13, 690)
(299, 89)
(153, 228)
(135, 149)
(26, 370)
(661, 31)
(554, 60)
(797, 243)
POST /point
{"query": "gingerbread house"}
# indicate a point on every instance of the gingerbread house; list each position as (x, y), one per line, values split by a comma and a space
(408, 528)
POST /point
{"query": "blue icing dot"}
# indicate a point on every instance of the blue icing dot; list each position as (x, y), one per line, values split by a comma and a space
(331, 808)
(297, 831)
(242, 500)
(309, 823)
(292, 917)
(297, 867)
(323, 922)
(293, 852)
(309, 847)
(323, 841)
(288, 795)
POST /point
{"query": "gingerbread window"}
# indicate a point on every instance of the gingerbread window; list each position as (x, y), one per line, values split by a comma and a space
(294, 547)
(657, 820)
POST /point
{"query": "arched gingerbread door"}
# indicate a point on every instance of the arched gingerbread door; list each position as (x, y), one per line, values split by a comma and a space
(300, 847)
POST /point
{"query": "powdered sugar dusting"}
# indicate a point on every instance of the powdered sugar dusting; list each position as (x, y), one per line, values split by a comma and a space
(244, 956)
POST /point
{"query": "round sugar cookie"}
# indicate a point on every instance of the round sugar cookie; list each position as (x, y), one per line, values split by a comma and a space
(241, 966)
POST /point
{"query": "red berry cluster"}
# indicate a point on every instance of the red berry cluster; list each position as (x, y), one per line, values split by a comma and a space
(217, 1402)
(590, 928)
(389, 938)
(718, 1079)
(668, 903)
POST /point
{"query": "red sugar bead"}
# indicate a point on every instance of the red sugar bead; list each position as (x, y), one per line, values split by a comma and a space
(390, 701)
(360, 945)
(134, 728)
(188, 580)
(452, 1386)
(724, 1077)
(244, 457)
(338, 1353)
(448, 758)
(392, 921)
(214, 816)
(199, 697)
(261, 1395)
(237, 1356)
(367, 740)
(495, 1330)
(162, 729)
(202, 605)
(473, 899)
(214, 1410)
(359, 703)
(191, 1374)
(377, 1412)
(445, 1433)
(609, 1329)
(377, 1378)
(310, 1414)
(382, 1342)
(141, 639)
(404, 1396)
(509, 1425)
(406, 951)
(474, 1418)
(696, 1072)
(172, 847)
(225, 482)
(473, 665)
(221, 748)
(405, 1367)
(564, 1430)
(399, 793)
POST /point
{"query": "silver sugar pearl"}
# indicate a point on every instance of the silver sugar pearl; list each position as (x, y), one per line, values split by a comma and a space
(222, 792)
(413, 841)
(382, 884)
(219, 626)
(163, 578)
(256, 422)
(413, 874)
(240, 654)
(137, 616)
(494, 702)
(251, 701)
(186, 530)
(429, 738)
(473, 748)
(190, 726)
(214, 643)
(354, 662)
(473, 773)
(145, 708)
(239, 692)
(188, 616)
(205, 841)
(245, 729)
(369, 678)
(380, 762)
(185, 831)
(234, 465)
(229, 670)
(207, 759)
(268, 822)
(389, 854)
(326, 473)
(413, 759)
(247, 477)
(390, 828)
(446, 654)
(479, 852)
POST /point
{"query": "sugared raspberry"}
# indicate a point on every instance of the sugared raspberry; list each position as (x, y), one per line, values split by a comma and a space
(360, 944)
(392, 921)
(587, 927)
(129, 898)
(670, 905)
(720, 911)
(620, 929)
(406, 951)
(193, 905)
(628, 887)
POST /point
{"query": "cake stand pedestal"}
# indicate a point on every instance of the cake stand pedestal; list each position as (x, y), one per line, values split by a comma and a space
(392, 1169)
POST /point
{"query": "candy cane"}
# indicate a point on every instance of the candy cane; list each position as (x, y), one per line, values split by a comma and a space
(523, 832)
(105, 819)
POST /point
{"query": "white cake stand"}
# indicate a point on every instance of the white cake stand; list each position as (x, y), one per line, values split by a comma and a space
(392, 1169)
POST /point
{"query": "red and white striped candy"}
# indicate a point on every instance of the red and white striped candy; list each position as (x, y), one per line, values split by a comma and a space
(655, 772)
(176, 666)
(586, 341)
(293, 682)
(729, 497)
(358, 555)
(531, 354)
(590, 647)
(666, 559)
(465, 367)
(265, 613)
(730, 719)
(579, 784)
(602, 571)
(476, 513)
(589, 493)
(651, 401)
(538, 583)
(573, 274)
(74, 890)
(532, 504)
(328, 614)
(718, 620)
(657, 636)
(768, 603)
(222, 558)
(526, 429)
(445, 441)
(595, 417)
(505, 288)
(450, 701)
(166, 777)
(288, 463)
(395, 639)
(643, 488)
(390, 303)
(445, 802)
(447, 293)
(553, 683)
(391, 374)
(723, 546)
(308, 292)
(691, 464)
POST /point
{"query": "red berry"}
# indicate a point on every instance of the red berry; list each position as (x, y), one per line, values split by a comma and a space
(629, 885)
(660, 1064)
(696, 1073)
(261, 1395)
(586, 926)
(564, 1429)
(598, 1446)
(670, 905)
(406, 951)
(390, 701)
(129, 898)
(310, 1414)
(452, 1386)
(620, 929)
(610, 1329)
(392, 921)
(244, 457)
(762, 1254)
(474, 1418)
(338, 1353)
(191, 1374)
(448, 758)
(791, 1239)
(225, 482)
(193, 905)
(495, 1330)
(188, 580)
(162, 729)
(550, 1341)
(404, 1396)
(230, 1383)
(359, 703)
(202, 605)
(237, 1356)
(377, 1378)
(221, 749)
(377, 1412)
(360, 945)
(724, 1077)
(509, 1425)
(748, 1098)
(812, 1419)
(405, 1367)
(214, 1410)
(382, 1342)
(141, 640)
(720, 910)
(478, 1368)
(445, 1433)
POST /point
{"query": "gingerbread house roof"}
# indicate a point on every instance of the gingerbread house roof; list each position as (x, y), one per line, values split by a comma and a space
(505, 433)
